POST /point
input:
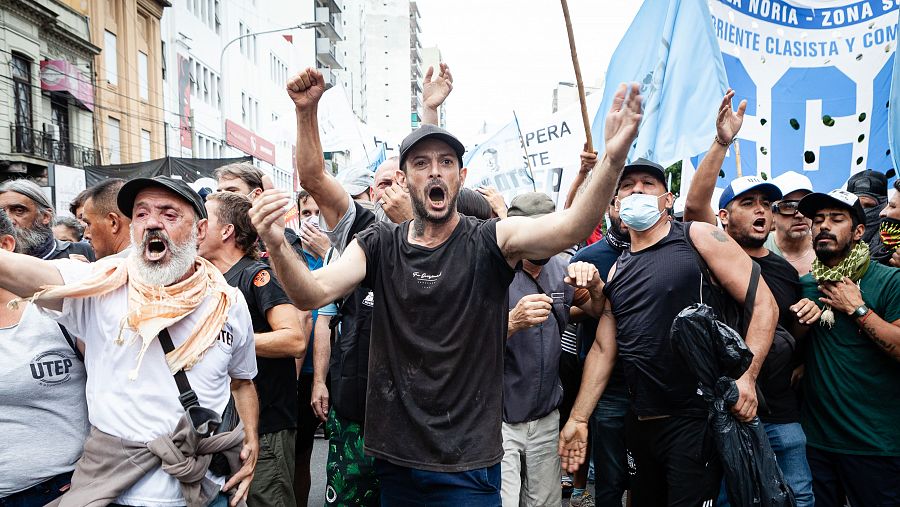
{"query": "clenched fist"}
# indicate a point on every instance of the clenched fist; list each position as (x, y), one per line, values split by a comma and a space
(306, 88)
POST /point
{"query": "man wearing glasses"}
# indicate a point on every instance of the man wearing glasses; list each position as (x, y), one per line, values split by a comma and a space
(791, 238)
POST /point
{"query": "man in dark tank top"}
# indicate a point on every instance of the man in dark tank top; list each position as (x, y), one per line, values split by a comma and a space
(434, 398)
(657, 277)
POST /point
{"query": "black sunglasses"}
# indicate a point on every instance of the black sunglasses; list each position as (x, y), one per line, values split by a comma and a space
(788, 208)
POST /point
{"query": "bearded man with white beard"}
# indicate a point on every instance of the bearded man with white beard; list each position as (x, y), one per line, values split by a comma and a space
(161, 312)
(33, 218)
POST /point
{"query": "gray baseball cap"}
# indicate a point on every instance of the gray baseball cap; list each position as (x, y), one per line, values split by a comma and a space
(357, 181)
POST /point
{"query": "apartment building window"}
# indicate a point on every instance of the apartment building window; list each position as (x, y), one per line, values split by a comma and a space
(205, 85)
(21, 71)
(243, 41)
(143, 83)
(218, 92)
(110, 60)
(115, 146)
(244, 111)
(145, 145)
(217, 23)
(162, 58)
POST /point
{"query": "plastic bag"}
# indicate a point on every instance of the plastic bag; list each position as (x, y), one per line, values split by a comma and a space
(717, 355)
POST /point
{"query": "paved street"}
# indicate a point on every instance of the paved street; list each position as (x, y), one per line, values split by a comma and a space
(317, 466)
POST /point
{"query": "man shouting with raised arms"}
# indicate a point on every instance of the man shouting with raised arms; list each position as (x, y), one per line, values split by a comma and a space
(435, 368)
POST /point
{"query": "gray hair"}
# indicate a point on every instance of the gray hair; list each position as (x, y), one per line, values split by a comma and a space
(73, 225)
(244, 171)
(31, 190)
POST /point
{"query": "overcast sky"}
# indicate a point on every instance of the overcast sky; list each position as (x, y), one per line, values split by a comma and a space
(509, 55)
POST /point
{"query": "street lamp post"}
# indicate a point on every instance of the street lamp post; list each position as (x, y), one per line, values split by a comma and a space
(225, 109)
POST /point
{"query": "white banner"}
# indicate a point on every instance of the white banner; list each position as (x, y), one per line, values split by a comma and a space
(549, 151)
(69, 182)
(817, 81)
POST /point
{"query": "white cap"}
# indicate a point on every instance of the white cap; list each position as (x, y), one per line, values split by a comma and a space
(792, 181)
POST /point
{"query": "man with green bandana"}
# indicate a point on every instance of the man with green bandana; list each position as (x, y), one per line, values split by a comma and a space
(852, 380)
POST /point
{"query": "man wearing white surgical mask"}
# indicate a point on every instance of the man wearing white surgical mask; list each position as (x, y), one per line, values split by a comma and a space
(650, 283)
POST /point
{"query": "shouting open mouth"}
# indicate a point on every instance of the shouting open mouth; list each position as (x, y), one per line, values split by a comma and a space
(155, 247)
(437, 196)
(760, 226)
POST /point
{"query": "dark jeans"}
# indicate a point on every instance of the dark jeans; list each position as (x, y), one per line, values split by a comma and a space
(607, 428)
(868, 481)
(39, 494)
(409, 487)
(675, 461)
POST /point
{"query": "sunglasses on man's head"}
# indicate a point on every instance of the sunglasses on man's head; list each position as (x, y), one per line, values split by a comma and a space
(788, 208)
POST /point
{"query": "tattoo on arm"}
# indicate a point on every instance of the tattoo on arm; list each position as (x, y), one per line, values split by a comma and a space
(585, 183)
(873, 334)
(720, 236)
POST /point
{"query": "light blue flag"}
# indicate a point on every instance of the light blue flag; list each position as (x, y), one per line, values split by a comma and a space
(671, 50)
(380, 157)
(894, 114)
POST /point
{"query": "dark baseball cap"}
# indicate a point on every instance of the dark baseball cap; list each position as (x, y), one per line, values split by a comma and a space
(431, 132)
(645, 166)
(869, 183)
(812, 203)
(130, 190)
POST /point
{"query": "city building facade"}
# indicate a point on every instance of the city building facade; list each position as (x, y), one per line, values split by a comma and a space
(46, 89)
(228, 64)
(128, 73)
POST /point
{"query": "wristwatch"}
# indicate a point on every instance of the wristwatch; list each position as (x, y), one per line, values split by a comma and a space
(860, 311)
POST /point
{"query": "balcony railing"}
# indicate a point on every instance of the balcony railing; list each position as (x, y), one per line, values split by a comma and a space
(40, 144)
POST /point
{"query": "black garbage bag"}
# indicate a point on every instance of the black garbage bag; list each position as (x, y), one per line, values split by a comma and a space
(718, 356)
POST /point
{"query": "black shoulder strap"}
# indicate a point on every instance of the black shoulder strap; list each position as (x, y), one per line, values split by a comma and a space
(71, 342)
(750, 296)
(238, 268)
(559, 322)
(188, 397)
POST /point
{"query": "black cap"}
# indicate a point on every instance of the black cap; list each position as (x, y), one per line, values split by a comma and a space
(869, 183)
(431, 132)
(645, 166)
(812, 203)
(130, 190)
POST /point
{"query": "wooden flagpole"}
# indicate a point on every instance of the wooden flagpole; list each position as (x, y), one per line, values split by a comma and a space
(589, 144)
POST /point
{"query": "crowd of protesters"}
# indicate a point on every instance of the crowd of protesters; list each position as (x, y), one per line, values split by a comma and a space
(164, 348)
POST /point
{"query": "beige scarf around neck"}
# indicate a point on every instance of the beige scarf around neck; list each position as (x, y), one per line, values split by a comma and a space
(154, 308)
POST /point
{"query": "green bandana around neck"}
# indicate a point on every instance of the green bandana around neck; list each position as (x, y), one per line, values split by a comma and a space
(854, 266)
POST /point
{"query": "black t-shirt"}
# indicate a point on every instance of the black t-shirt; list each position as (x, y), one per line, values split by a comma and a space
(349, 366)
(780, 404)
(646, 293)
(436, 354)
(276, 379)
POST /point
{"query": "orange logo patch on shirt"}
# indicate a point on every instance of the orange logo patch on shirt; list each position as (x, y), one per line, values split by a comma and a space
(261, 278)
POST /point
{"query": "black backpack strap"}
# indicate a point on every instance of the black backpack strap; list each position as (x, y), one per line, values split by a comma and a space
(750, 297)
(559, 322)
(188, 397)
(72, 342)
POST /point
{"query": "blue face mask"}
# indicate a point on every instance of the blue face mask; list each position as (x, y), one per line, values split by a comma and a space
(640, 211)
